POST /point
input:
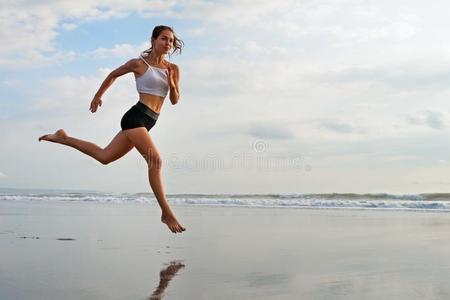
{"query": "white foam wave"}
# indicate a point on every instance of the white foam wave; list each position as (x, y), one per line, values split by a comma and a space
(426, 202)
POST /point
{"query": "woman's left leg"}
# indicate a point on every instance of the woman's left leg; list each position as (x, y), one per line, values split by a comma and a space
(118, 147)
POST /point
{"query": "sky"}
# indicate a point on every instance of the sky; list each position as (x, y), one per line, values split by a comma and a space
(330, 96)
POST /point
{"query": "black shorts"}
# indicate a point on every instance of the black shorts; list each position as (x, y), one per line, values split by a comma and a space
(139, 115)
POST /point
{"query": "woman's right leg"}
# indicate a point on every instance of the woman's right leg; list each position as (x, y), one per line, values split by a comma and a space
(118, 147)
(144, 144)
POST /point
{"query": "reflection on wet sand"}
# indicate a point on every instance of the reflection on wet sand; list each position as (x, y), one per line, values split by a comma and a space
(165, 276)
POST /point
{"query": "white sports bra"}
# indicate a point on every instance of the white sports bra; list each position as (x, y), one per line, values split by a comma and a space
(154, 81)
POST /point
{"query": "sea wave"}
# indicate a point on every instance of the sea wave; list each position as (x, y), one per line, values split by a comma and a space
(426, 202)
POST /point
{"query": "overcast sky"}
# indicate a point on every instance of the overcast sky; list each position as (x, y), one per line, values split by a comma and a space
(276, 96)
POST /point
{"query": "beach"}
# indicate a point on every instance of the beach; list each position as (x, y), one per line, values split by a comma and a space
(67, 250)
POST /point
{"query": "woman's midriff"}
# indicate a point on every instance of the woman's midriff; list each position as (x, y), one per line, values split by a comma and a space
(152, 101)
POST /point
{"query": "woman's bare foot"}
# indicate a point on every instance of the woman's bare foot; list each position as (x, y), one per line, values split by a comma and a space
(56, 137)
(171, 222)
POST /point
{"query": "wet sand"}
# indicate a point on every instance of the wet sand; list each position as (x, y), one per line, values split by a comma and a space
(119, 251)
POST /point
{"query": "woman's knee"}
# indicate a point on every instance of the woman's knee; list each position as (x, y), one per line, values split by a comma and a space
(153, 160)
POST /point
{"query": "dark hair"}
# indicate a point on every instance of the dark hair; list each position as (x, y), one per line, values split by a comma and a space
(177, 43)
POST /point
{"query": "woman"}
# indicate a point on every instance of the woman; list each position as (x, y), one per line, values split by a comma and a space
(155, 78)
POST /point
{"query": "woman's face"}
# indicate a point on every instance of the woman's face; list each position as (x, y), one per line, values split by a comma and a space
(164, 42)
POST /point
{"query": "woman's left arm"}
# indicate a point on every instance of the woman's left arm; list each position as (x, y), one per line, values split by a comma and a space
(174, 80)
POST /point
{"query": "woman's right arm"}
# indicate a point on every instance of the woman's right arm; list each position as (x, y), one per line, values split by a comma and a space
(130, 66)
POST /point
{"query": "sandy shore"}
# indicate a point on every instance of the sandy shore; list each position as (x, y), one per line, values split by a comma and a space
(112, 251)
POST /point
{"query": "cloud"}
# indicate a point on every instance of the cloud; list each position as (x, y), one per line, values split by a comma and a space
(72, 94)
(254, 49)
(11, 82)
(270, 132)
(409, 75)
(119, 50)
(28, 29)
(431, 119)
(69, 26)
(337, 126)
(197, 32)
(434, 120)
(32, 59)
(2, 175)
(308, 18)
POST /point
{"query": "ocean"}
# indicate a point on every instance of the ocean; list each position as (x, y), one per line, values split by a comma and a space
(381, 201)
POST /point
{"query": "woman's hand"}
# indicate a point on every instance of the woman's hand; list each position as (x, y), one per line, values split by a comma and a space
(171, 76)
(95, 103)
